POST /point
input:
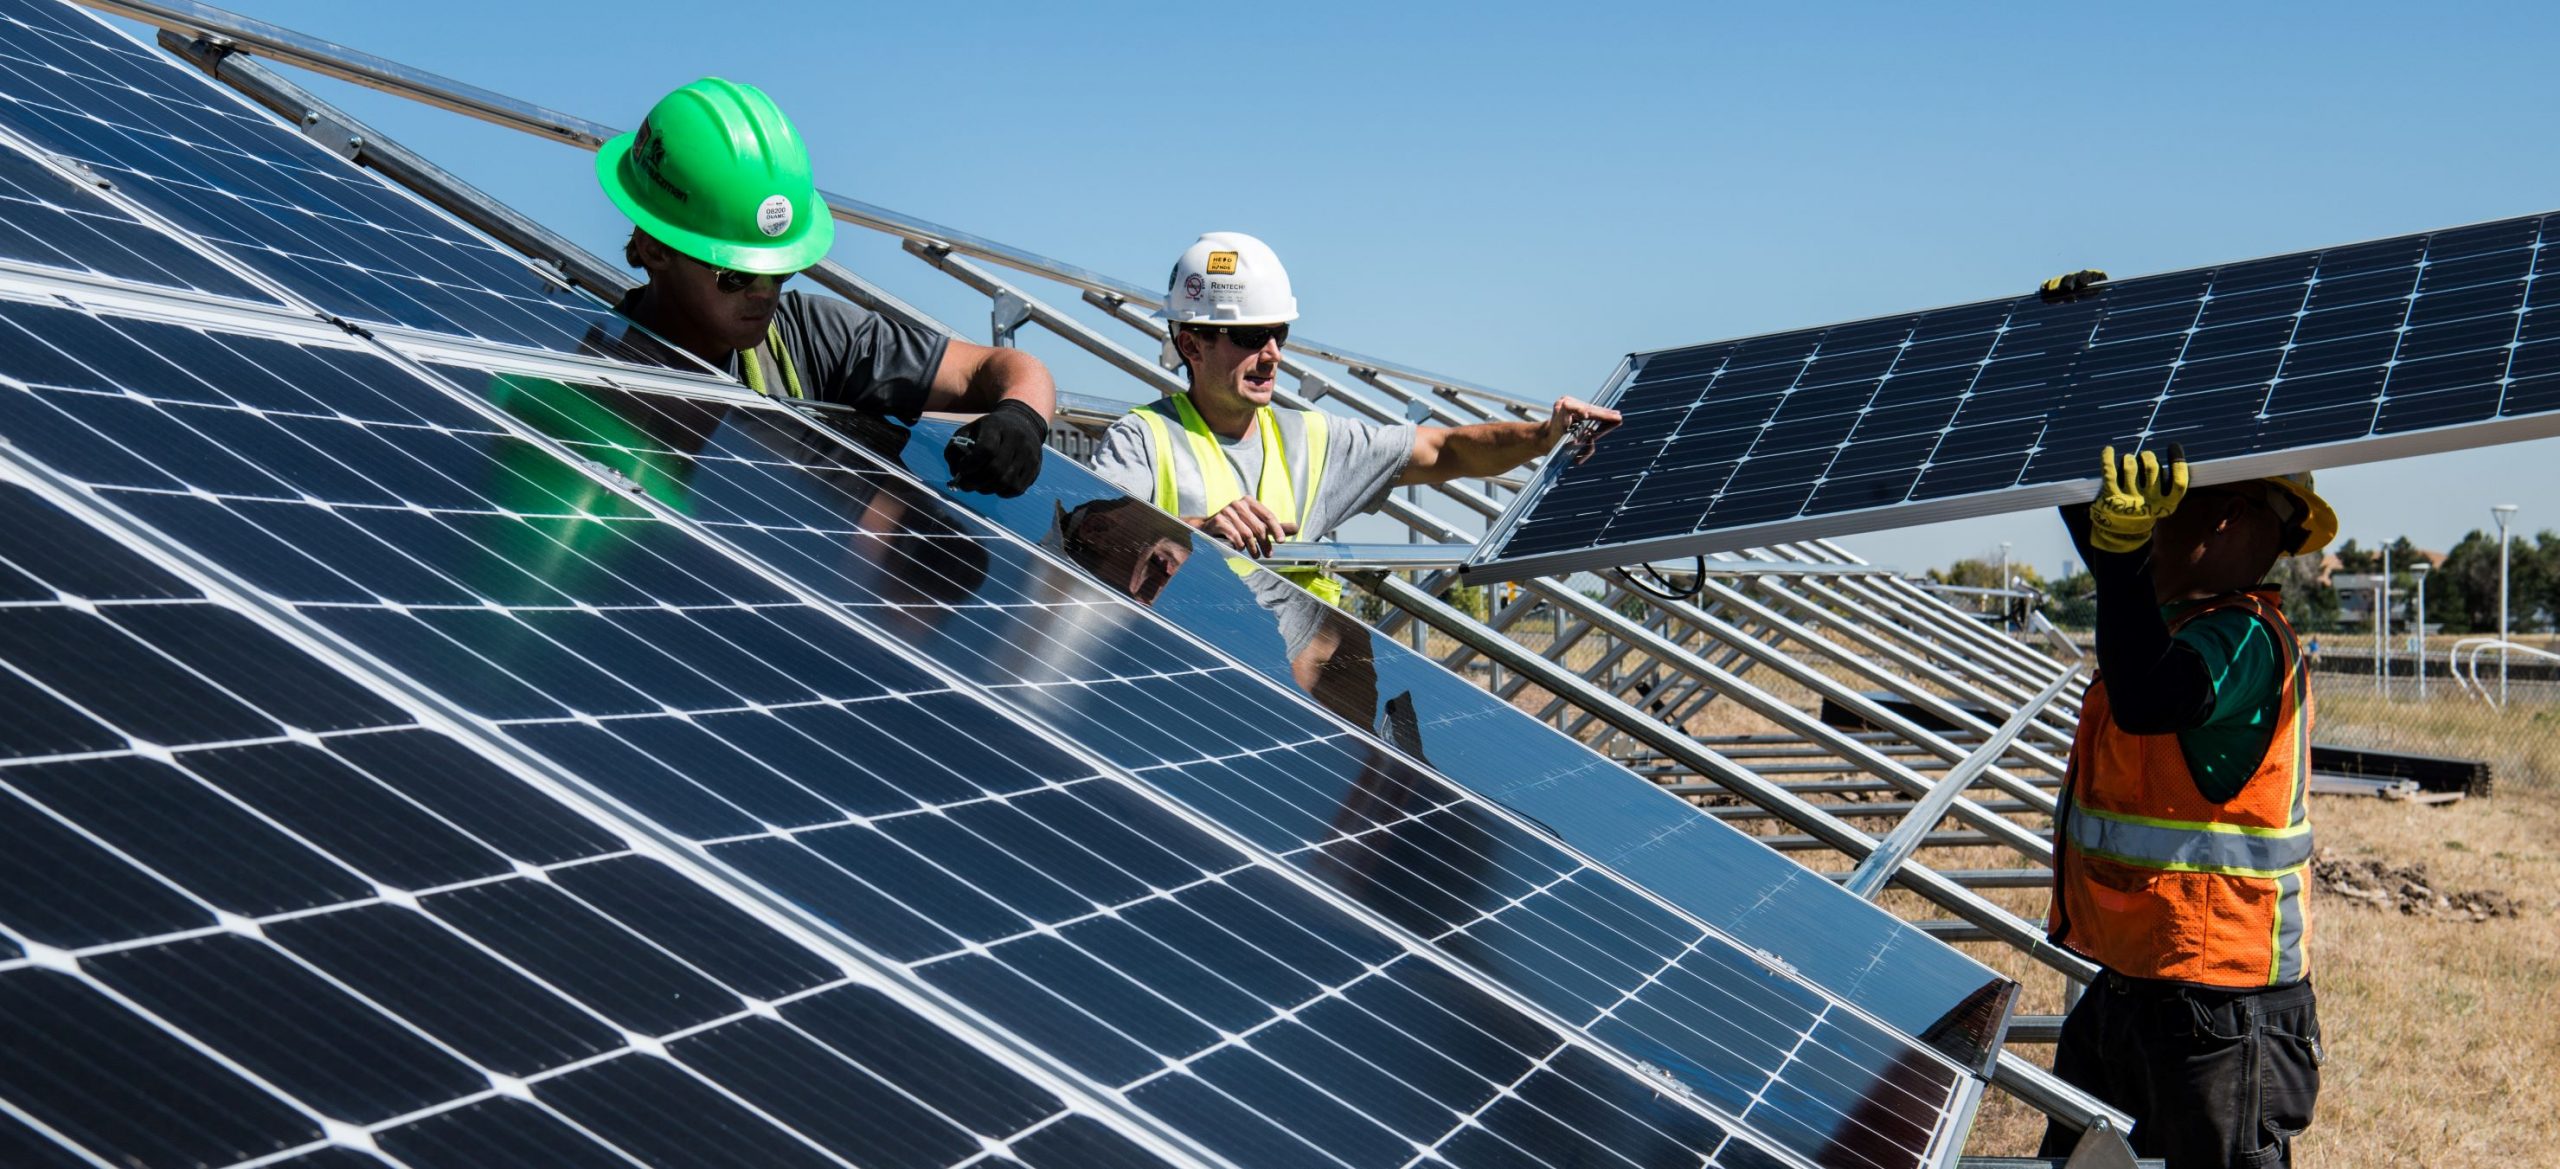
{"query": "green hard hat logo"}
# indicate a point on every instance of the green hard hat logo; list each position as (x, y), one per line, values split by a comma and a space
(716, 172)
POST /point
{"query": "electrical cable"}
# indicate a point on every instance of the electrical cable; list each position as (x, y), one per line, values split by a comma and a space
(1697, 582)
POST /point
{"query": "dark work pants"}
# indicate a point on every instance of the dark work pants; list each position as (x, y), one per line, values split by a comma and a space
(2211, 1077)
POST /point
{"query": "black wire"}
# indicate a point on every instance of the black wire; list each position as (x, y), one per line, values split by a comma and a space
(1697, 583)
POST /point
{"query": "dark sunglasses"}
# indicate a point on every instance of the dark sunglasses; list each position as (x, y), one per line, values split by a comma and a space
(1247, 336)
(733, 281)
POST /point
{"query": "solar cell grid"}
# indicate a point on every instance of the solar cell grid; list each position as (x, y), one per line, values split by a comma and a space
(1230, 745)
(227, 173)
(1478, 741)
(2373, 350)
(251, 911)
(532, 650)
(47, 221)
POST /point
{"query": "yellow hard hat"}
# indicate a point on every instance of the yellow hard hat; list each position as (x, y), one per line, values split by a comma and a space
(2309, 522)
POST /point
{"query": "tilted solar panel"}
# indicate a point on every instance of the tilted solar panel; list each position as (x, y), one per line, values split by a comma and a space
(2368, 351)
(1239, 749)
(812, 764)
(249, 908)
(230, 174)
(1627, 823)
(48, 221)
(917, 748)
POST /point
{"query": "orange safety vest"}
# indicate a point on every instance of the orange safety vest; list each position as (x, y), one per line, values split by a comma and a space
(2152, 880)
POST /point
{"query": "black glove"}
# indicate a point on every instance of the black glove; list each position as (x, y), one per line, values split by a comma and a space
(1000, 452)
(2071, 284)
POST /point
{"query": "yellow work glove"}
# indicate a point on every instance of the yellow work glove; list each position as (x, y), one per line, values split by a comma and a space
(2136, 495)
(2071, 284)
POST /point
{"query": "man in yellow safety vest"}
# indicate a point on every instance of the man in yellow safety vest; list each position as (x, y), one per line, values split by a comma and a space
(1231, 464)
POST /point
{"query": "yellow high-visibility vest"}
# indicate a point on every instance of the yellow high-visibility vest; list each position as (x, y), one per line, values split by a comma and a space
(1219, 486)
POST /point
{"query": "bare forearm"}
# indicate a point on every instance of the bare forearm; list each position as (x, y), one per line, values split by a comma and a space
(1475, 451)
(991, 376)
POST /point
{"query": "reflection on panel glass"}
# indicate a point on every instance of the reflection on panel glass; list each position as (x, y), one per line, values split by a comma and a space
(250, 911)
(48, 221)
(1342, 808)
(998, 869)
(1760, 897)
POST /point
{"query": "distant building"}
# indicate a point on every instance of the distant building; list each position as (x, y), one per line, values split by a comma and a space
(2355, 590)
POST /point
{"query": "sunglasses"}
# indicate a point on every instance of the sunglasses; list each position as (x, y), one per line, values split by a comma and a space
(1247, 336)
(732, 281)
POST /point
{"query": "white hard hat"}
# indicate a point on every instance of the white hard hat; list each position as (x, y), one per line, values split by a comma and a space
(1229, 278)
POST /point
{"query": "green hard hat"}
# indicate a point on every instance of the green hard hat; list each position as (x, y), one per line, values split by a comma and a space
(716, 172)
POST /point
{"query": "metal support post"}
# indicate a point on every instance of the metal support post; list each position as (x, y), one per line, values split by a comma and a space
(1005, 316)
(1869, 878)
(2504, 512)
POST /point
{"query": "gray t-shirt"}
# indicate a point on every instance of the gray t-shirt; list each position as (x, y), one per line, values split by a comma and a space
(852, 356)
(1361, 462)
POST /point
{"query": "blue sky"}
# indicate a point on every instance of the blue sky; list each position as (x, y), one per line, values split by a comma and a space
(1517, 195)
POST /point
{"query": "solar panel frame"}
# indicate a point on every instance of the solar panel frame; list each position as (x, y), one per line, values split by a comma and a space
(2445, 286)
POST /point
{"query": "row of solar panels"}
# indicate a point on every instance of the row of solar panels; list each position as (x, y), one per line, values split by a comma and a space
(441, 740)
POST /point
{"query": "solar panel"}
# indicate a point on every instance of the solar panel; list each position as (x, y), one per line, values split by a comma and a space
(226, 172)
(1175, 901)
(48, 221)
(251, 911)
(1805, 1070)
(1205, 988)
(2369, 351)
(1862, 954)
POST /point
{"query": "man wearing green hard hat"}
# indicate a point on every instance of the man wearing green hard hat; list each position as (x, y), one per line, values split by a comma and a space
(718, 188)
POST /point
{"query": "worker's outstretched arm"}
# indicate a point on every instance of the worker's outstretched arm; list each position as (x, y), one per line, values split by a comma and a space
(1443, 453)
(2156, 684)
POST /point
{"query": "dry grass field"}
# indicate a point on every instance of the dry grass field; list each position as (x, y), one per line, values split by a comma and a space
(2443, 1036)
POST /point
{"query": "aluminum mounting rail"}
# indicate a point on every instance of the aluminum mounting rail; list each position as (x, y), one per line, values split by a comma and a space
(1341, 556)
(258, 37)
(1869, 878)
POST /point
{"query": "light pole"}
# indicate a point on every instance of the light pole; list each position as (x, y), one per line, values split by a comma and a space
(2504, 512)
(2004, 583)
(2382, 627)
(2419, 570)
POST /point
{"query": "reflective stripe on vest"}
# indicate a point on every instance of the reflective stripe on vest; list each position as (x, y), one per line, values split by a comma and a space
(2152, 880)
(752, 371)
(2191, 846)
(1213, 477)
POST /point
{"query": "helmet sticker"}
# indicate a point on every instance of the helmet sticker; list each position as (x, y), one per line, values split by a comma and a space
(1222, 263)
(1193, 286)
(651, 152)
(774, 217)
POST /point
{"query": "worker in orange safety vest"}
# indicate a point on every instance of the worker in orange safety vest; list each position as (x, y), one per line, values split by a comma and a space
(2182, 844)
